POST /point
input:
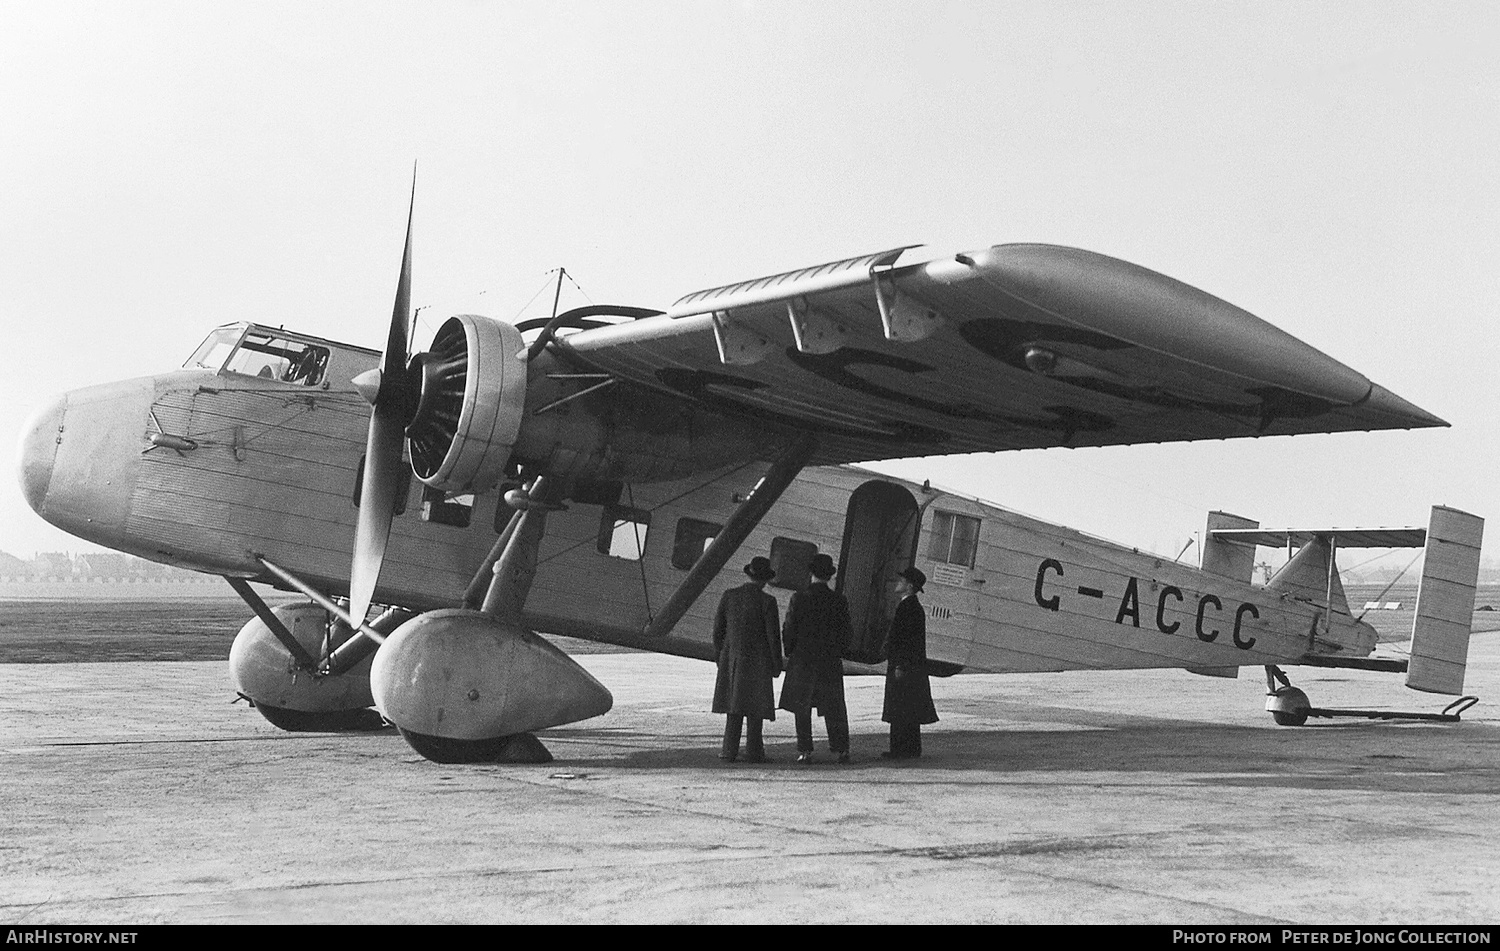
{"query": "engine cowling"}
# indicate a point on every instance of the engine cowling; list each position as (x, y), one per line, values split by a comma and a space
(472, 404)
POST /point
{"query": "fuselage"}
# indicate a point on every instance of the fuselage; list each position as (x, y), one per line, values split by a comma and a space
(213, 465)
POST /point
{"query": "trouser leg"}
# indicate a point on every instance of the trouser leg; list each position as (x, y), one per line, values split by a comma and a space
(906, 738)
(754, 748)
(804, 732)
(838, 732)
(732, 726)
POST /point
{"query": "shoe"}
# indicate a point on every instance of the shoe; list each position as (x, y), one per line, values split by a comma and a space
(804, 757)
(843, 759)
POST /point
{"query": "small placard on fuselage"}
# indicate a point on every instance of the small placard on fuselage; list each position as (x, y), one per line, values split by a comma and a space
(949, 574)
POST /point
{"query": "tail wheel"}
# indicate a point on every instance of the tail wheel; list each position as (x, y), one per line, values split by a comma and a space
(1288, 706)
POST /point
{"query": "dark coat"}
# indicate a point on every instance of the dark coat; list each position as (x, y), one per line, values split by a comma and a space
(747, 641)
(815, 636)
(908, 696)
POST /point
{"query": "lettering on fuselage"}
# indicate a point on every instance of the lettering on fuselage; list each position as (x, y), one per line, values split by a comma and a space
(1210, 614)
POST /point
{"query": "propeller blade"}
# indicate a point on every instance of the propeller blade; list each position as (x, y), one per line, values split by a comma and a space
(377, 504)
(398, 340)
(389, 415)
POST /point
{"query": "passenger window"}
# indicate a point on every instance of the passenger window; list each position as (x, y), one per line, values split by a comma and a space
(693, 536)
(954, 539)
(440, 508)
(791, 559)
(622, 532)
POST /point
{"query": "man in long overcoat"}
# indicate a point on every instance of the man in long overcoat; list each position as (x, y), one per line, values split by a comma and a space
(908, 695)
(747, 640)
(815, 636)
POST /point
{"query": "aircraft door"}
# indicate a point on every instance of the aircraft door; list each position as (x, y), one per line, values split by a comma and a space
(880, 539)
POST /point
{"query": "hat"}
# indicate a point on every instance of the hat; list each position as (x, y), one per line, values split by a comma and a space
(822, 567)
(915, 576)
(760, 569)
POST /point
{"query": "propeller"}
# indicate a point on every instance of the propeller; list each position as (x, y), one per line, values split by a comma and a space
(393, 391)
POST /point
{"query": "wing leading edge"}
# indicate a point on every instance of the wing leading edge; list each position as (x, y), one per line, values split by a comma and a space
(1014, 347)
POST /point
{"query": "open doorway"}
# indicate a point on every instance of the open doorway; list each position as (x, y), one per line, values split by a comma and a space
(880, 539)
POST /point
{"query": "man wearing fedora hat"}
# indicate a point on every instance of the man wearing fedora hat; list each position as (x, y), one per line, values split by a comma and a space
(747, 640)
(815, 636)
(908, 695)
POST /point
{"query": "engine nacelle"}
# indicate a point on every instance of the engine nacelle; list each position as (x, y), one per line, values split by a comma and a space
(472, 404)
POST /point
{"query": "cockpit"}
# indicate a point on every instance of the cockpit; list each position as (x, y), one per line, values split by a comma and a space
(250, 350)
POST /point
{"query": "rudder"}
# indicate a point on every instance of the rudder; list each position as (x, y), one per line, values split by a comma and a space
(1445, 602)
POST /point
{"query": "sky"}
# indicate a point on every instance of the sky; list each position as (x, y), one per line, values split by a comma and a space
(1330, 167)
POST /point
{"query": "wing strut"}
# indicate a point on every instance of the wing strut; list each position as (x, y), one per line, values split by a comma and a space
(733, 534)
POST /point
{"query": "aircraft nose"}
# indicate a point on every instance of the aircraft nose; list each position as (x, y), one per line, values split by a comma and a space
(39, 441)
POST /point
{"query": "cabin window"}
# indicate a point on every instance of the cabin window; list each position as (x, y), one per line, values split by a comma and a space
(693, 536)
(270, 357)
(403, 486)
(622, 532)
(791, 559)
(954, 538)
(440, 508)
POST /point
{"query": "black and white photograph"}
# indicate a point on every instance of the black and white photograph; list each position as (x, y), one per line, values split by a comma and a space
(714, 462)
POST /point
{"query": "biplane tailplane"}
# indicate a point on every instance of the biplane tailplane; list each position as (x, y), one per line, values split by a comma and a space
(1445, 602)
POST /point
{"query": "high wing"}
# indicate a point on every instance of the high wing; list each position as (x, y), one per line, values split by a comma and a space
(1014, 347)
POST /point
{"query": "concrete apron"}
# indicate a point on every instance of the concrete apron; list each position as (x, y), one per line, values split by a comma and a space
(136, 793)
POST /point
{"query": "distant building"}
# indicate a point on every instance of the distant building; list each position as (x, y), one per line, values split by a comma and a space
(52, 564)
(91, 566)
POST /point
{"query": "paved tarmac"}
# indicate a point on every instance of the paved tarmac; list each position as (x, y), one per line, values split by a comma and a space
(135, 793)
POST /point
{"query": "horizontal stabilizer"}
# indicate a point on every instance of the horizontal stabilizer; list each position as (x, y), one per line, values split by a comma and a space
(1445, 602)
(1343, 537)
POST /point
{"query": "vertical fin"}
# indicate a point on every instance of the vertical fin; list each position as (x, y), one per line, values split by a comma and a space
(1309, 577)
(1445, 602)
(1230, 559)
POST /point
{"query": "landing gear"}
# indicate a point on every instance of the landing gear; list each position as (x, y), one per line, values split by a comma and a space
(1289, 706)
(521, 748)
(363, 720)
(466, 687)
(274, 668)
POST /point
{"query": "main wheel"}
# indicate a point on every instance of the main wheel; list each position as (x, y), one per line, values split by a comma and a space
(520, 748)
(364, 720)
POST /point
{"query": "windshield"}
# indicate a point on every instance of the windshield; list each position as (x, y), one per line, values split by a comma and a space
(212, 352)
(263, 354)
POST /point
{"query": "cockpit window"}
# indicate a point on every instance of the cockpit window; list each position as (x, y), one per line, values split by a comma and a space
(262, 354)
(212, 353)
